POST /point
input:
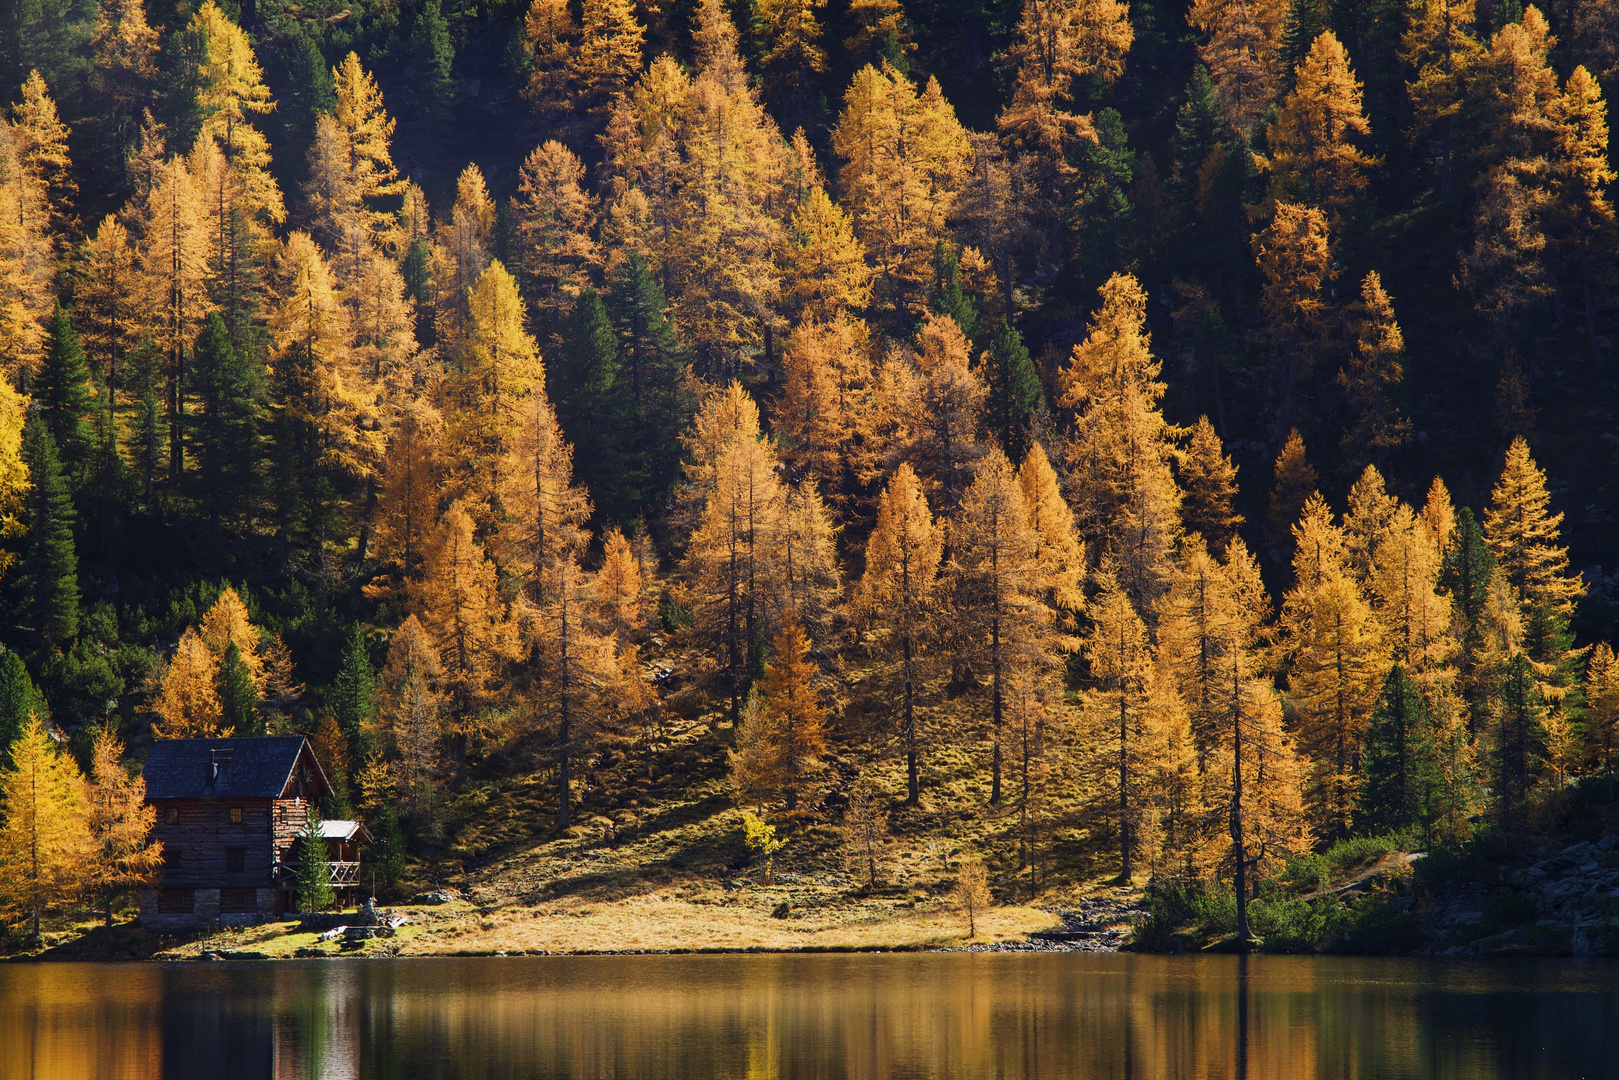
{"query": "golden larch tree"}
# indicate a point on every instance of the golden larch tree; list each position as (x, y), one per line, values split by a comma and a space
(41, 140)
(46, 848)
(1296, 262)
(792, 710)
(554, 216)
(1059, 41)
(1121, 450)
(1121, 718)
(231, 91)
(227, 623)
(1242, 56)
(1001, 620)
(826, 273)
(1335, 661)
(1060, 551)
(732, 562)
(826, 374)
(1601, 724)
(618, 585)
(461, 610)
(905, 155)
(1440, 48)
(409, 501)
(898, 595)
(461, 253)
(1208, 482)
(1372, 374)
(187, 702)
(1523, 535)
(409, 727)
(1313, 155)
(120, 823)
(545, 511)
(496, 386)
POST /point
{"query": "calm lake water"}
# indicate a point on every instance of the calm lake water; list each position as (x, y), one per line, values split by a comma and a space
(809, 1017)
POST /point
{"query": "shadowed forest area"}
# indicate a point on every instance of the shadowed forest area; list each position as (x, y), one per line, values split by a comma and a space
(1051, 442)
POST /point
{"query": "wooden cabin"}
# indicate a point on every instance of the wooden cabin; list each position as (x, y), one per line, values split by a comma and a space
(229, 815)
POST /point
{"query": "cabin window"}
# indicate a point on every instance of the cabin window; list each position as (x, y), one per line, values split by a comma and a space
(238, 901)
(235, 859)
(171, 816)
(171, 855)
(236, 815)
(176, 902)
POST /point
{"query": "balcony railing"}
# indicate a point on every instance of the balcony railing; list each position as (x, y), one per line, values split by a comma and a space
(342, 874)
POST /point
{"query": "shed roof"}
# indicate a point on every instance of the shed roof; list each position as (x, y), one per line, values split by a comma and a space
(344, 829)
(228, 768)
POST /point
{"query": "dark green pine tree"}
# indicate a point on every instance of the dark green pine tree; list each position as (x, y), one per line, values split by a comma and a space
(1400, 778)
(308, 90)
(416, 267)
(1520, 740)
(1465, 574)
(433, 53)
(1305, 21)
(238, 695)
(1198, 127)
(945, 294)
(19, 699)
(50, 579)
(1014, 393)
(149, 439)
(299, 489)
(593, 408)
(224, 437)
(388, 850)
(314, 874)
(354, 694)
(652, 378)
(1105, 215)
(66, 401)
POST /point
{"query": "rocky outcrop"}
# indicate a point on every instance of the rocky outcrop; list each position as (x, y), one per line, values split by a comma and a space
(1563, 904)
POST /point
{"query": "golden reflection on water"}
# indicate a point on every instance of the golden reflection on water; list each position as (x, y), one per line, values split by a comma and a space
(811, 1017)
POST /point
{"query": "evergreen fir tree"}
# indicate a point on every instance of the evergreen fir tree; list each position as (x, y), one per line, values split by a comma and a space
(354, 694)
(238, 696)
(1198, 127)
(434, 54)
(314, 873)
(64, 396)
(19, 699)
(1014, 395)
(224, 438)
(947, 297)
(1305, 21)
(388, 850)
(651, 363)
(1105, 214)
(51, 568)
(1520, 740)
(416, 267)
(149, 440)
(1400, 766)
(591, 406)
(1465, 575)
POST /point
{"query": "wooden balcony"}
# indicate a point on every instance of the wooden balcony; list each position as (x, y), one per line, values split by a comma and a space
(343, 874)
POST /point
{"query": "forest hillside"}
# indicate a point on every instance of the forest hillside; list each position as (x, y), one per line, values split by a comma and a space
(1088, 441)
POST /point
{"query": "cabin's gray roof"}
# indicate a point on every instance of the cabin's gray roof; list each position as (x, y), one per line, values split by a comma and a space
(248, 768)
(343, 829)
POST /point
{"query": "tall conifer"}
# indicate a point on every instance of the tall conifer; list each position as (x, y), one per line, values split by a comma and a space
(51, 567)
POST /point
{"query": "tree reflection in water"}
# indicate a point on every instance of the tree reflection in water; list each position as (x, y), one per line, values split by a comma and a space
(872, 1017)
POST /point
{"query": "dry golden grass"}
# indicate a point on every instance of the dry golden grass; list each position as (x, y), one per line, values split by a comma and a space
(652, 923)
